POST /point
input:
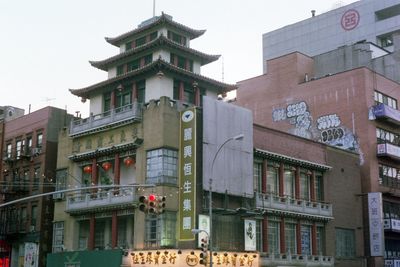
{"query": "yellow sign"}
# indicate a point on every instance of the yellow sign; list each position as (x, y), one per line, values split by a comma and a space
(187, 257)
(187, 174)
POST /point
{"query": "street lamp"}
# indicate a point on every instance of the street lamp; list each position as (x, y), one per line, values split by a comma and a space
(236, 137)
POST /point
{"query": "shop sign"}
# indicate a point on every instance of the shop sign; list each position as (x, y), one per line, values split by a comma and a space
(375, 224)
(187, 257)
(250, 237)
(187, 174)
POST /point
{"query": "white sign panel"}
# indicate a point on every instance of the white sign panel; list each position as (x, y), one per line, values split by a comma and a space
(250, 236)
(375, 224)
(204, 224)
(31, 255)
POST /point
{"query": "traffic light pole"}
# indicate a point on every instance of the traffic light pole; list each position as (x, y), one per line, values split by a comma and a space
(75, 189)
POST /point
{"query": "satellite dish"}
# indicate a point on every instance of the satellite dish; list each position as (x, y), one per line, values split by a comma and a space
(10, 112)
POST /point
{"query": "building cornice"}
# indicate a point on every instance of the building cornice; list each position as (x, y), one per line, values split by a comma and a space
(159, 42)
(291, 160)
(164, 19)
(154, 67)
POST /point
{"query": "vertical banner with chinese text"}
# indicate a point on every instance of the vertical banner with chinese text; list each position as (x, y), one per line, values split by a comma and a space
(187, 174)
(375, 215)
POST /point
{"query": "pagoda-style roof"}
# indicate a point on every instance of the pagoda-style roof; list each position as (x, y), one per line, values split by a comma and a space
(164, 19)
(151, 69)
(160, 41)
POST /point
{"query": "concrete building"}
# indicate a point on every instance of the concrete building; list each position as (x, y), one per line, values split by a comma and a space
(28, 168)
(370, 21)
(355, 110)
(157, 130)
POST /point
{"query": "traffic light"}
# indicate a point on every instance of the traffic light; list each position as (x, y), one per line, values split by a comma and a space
(160, 204)
(144, 203)
(152, 203)
(203, 253)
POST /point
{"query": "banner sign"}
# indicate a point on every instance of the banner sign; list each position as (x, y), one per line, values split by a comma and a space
(204, 225)
(187, 174)
(187, 257)
(376, 224)
(250, 237)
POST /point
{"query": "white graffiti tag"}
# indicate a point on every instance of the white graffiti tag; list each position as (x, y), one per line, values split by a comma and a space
(328, 121)
(279, 114)
(296, 109)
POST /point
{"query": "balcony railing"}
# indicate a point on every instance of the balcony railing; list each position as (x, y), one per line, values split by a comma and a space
(105, 120)
(101, 199)
(389, 182)
(388, 150)
(288, 204)
(384, 112)
(295, 260)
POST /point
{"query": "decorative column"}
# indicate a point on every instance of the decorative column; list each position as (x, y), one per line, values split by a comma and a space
(94, 177)
(312, 186)
(282, 236)
(265, 234)
(197, 96)
(134, 92)
(113, 99)
(314, 239)
(297, 183)
(117, 169)
(298, 238)
(181, 91)
(92, 223)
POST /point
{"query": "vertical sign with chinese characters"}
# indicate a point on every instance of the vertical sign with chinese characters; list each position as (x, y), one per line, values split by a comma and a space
(187, 174)
(375, 224)
(250, 241)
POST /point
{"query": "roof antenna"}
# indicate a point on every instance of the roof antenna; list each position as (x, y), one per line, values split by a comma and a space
(154, 8)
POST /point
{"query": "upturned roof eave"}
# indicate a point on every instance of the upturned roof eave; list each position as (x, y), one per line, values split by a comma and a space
(192, 33)
(159, 65)
(161, 40)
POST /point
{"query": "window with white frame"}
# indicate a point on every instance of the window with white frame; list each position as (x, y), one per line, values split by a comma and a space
(273, 178)
(290, 236)
(289, 175)
(162, 166)
(58, 237)
(160, 230)
(257, 175)
(345, 243)
(384, 99)
(273, 236)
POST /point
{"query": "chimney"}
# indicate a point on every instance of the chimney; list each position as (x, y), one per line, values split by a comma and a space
(313, 13)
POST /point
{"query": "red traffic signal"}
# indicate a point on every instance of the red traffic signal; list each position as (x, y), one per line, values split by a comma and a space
(152, 203)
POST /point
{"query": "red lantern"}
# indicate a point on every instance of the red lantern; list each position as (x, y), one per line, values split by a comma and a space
(87, 169)
(106, 166)
(129, 161)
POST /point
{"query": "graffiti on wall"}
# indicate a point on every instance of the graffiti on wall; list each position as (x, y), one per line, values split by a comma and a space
(327, 129)
(298, 115)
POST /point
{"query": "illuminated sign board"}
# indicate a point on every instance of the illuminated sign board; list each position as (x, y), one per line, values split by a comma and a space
(187, 257)
(187, 174)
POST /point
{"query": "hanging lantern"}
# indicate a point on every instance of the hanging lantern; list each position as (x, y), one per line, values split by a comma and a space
(87, 169)
(106, 166)
(128, 161)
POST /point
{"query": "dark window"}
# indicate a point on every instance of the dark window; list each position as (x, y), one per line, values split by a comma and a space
(120, 70)
(153, 36)
(107, 102)
(39, 140)
(140, 41)
(123, 98)
(345, 243)
(148, 59)
(141, 91)
(133, 65)
(128, 46)
(177, 38)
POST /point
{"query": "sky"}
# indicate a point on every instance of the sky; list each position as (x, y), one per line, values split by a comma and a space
(46, 45)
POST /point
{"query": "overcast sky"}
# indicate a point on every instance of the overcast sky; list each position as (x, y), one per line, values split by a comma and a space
(46, 44)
